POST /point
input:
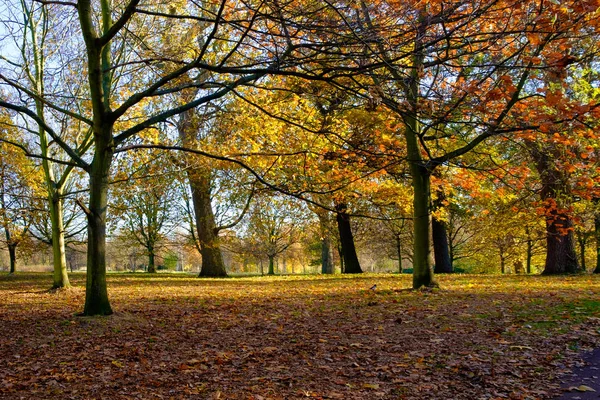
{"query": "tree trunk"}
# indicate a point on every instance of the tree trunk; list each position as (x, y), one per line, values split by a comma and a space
(326, 259)
(529, 250)
(502, 263)
(560, 247)
(151, 264)
(271, 265)
(399, 252)
(560, 243)
(206, 227)
(420, 174)
(12, 253)
(59, 258)
(422, 270)
(597, 237)
(96, 294)
(200, 184)
(441, 252)
(582, 245)
(351, 264)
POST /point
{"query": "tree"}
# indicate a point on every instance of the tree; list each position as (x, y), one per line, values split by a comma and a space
(146, 202)
(133, 68)
(455, 80)
(19, 191)
(274, 224)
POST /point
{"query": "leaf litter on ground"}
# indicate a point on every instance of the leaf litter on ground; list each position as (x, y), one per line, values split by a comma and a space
(293, 337)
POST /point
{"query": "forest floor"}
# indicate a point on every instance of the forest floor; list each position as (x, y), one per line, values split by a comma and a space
(180, 337)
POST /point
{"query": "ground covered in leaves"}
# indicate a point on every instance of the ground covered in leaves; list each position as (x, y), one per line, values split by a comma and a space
(180, 337)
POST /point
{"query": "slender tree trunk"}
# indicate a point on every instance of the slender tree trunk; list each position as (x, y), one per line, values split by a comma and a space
(529, 250)
(441, 251)
(582, 245)
(59, 258)
(96, 294)
(271, 265)
(597, 237)
(208, 236)
(399, 252)
(439, 235)
(351, 264)
(502, 263)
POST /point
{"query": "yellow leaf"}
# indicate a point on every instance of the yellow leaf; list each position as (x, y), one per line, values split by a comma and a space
(371, 386)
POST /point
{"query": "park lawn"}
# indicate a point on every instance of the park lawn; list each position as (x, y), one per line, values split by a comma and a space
(178, 337)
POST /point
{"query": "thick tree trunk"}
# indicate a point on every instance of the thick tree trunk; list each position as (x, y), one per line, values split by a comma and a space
(561, 257)
(502, 263)
(200, 184)
(560, 243)
(420, 174)
(59, 258)
(271, 265)
(422, 270)
(206, 227)
(151, 263)
(12, 254)
(441, 251)
(597, 237)
(96, 294)
(326, 258)
(351, 264)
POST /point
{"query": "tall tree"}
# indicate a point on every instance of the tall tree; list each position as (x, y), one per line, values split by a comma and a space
(133, 67)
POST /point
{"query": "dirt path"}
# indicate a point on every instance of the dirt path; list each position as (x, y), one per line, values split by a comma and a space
(586, 378)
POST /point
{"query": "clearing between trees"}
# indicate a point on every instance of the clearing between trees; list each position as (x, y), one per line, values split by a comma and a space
(334, 337)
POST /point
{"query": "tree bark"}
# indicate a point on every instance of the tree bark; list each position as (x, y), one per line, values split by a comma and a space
(560, 243)
(59, 258)
(200, 184)
(348, 250)
(529, 250)
(326, 258)
(560, 247)
(443, 263)
(597, 237)
(399, 252)
(151, 258)
(12, 254)
(582, 245)
(271, 265)
(422, 269)
(96, 294)
(420, 174)
(210, 249)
